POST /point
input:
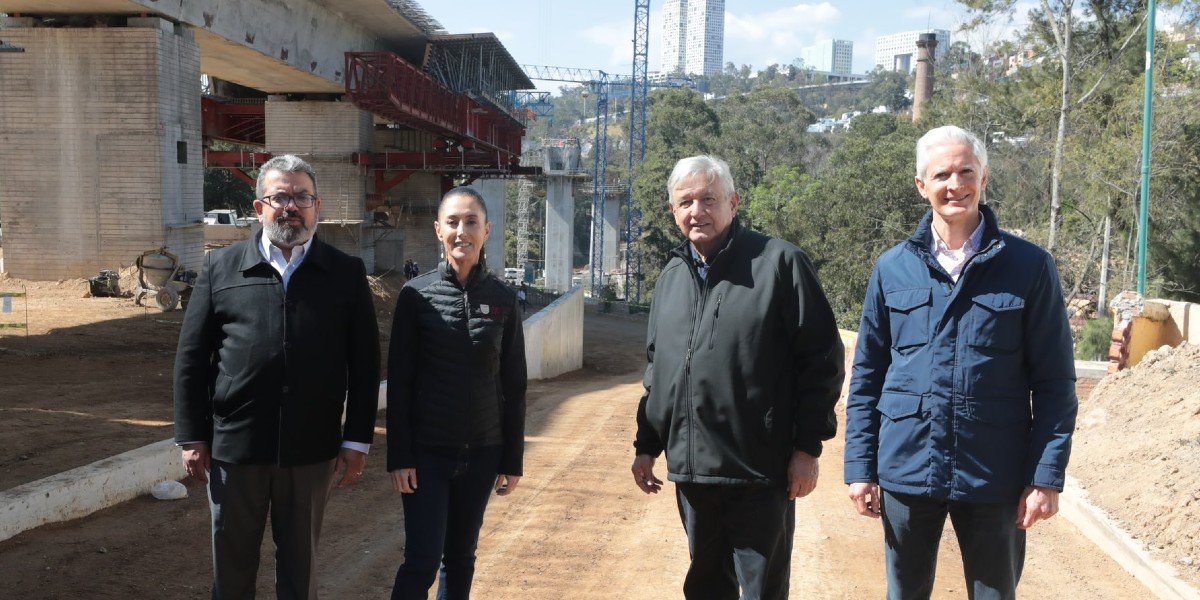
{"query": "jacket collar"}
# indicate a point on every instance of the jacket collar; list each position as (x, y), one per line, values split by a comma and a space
(478, 273)
(317, 255)
(992, 242)
(684, 250)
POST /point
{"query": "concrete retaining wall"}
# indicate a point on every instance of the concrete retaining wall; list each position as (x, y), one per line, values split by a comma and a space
(87, 489)
(554, 337)
(1142, 325)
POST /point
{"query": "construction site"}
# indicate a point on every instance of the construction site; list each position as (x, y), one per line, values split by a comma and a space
(111, 111)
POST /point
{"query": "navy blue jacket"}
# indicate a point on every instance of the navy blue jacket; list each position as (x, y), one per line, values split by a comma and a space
(962, 391)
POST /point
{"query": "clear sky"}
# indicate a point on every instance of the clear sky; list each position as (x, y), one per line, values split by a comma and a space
(598, 34)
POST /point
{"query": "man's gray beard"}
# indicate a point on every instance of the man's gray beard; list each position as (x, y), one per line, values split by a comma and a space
(286, 236)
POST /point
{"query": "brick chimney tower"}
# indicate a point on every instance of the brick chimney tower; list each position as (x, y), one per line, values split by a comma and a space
(926, 44)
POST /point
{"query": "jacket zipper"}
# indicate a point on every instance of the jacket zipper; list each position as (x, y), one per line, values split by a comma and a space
(696, 316)
(470, 378)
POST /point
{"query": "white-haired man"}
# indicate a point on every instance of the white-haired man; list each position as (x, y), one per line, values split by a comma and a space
(962, 399)
(279, 335)
(745, 365)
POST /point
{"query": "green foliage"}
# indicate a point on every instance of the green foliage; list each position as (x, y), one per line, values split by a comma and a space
(679, 124)
(848, 196)
(762, 128)
(847, 213)
(1094, 339)
(887, 88)
(223, 190)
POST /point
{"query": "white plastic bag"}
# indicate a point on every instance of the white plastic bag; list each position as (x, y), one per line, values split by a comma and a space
(169, 489)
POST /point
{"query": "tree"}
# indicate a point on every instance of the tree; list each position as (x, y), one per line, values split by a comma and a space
(887, 88)
(1053, 25)
(845, 214)
(679, 124)
(760, 129)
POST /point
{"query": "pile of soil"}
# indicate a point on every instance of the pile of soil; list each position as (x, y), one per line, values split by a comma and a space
(1137, 451)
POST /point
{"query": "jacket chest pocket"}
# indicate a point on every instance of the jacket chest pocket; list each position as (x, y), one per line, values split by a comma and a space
(908, 315)
(995, 321)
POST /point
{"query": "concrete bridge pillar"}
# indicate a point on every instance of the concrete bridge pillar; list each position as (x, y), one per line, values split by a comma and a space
(100, 156)
(493, 191)
(326, 134)
(560, 230)
(612, 233)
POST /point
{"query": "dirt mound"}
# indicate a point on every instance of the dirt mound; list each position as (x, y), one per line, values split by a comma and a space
(1137, 451)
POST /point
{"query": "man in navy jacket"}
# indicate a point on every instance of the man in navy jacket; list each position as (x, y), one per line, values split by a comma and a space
(962, 399)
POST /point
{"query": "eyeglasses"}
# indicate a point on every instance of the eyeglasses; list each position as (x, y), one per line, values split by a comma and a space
(282, 200)
(706, 203)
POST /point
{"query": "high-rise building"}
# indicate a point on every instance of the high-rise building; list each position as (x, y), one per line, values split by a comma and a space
(829, 56)
(898, 51)
(693, 36)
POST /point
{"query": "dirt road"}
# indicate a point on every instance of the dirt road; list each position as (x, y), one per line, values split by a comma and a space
(576, 528)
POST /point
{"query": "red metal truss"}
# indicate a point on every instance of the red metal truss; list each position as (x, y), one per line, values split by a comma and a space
(238, 121)
(387, 85)
(237, 162)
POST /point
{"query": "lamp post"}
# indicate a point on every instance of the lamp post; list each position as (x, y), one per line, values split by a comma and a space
(1147, 119)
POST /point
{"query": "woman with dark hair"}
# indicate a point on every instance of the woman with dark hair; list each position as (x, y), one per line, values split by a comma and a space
(455, 402)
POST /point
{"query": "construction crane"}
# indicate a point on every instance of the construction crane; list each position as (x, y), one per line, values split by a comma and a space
(599, 83)
(639, 89)
(607, 86)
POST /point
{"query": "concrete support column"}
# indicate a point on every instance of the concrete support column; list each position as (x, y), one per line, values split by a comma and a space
(100, 156)
(326, 134)
(560, 229)
(612, 234)
(493, 191)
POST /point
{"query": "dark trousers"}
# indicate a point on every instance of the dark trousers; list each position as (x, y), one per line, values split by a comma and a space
(240, 498)
(993, 548)
(738, 536)
(442, 520)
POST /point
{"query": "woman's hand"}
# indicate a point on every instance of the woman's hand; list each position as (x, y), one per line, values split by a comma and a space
(505, 484)
(405, 480)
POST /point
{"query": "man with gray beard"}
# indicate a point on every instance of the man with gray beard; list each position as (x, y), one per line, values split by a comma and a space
(279, 337)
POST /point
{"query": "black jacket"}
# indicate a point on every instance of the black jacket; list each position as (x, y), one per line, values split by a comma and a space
(456, 368)
(744, 366)
(263, 375)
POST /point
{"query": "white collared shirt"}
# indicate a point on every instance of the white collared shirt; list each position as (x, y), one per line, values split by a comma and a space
(953, 261)
(274, 256)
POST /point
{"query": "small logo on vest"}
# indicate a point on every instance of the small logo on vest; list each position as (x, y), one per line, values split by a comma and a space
(485, 309)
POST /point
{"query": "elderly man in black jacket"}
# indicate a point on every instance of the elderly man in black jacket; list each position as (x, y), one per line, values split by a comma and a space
(279, 337)
(745, 365)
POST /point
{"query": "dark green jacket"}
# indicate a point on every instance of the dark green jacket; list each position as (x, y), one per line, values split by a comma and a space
(744, 366)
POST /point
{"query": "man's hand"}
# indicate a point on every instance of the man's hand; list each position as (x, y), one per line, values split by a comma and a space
(1037, 504)
(350, 463)
(404, 480)
(865, 497)
(643, 474)
(803, 471)
(196, 460)
(505, 484)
